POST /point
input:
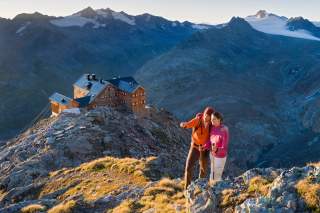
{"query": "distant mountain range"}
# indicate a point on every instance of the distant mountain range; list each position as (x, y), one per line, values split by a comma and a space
(42, 54)
(267, 86)
(261, 71)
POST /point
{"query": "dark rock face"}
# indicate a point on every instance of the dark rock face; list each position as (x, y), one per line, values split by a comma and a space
(39, 57)
(299, 23)
(265, 85)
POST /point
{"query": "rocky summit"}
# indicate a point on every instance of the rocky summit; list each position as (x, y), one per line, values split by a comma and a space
(60, 145)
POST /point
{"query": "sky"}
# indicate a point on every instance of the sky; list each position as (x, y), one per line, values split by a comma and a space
(198, 11)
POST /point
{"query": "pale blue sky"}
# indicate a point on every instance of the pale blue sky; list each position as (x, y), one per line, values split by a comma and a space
(200, 11)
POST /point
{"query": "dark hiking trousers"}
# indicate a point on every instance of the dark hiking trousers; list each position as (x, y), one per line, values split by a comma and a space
(193, 156)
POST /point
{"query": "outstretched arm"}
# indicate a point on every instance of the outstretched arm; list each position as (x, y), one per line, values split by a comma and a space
(190, 124)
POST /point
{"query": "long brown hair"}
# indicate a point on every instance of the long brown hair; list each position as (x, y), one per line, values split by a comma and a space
(208, 111)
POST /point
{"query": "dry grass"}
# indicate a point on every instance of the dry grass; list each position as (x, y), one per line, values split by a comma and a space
(2, 194)
(259, 185)
(309, 190)
(97, 178)
(64, 207)
(163, 197)
(230, 198)
(315, 164)
(127, 206)
(33, 208)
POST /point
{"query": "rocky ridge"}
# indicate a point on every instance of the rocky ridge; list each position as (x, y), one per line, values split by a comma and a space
(70, 140)
(106, 160)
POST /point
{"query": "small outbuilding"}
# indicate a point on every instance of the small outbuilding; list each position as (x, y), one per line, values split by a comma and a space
(60, 102)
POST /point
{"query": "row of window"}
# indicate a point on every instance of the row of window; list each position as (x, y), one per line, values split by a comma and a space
(108, 96)
(139, 102)
(109, 105)
(118, 93)
(138, 94)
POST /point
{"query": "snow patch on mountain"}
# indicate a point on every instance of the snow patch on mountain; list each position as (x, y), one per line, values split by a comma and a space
(200, 27)
(316, 23)
(122, 17)
(74, 20)
(276, 25)
(78, 20)
(22, 28)
(103, 12)
(106, 13)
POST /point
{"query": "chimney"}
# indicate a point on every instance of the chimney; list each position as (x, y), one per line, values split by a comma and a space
(93, 77)
(101, 81)
(89, 85)
(88, 77)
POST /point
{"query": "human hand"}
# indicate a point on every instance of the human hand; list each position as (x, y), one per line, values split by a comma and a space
(182, 124)
(205, 147)
(214, 148)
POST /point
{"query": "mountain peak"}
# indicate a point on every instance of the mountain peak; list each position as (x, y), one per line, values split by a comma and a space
(30, 16)
(107, 12)
(299, 20)
(280, 25)
(237, 22)
(262, 14)
(300, 23)
(87, 13)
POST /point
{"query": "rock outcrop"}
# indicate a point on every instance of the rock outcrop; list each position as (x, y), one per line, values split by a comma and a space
(259, 190)
(69, 140)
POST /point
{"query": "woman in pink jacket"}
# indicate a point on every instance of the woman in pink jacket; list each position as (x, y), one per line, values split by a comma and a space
(218, 143)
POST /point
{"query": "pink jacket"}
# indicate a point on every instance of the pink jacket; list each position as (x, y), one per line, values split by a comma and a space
(220, 136)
